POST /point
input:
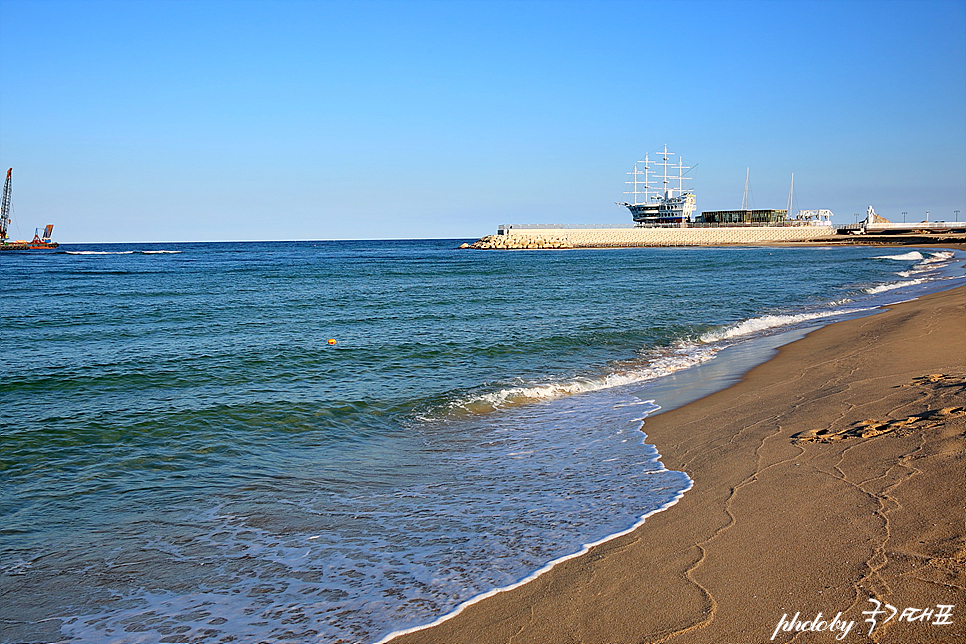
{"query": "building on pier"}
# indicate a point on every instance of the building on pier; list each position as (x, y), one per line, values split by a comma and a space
(743, 216)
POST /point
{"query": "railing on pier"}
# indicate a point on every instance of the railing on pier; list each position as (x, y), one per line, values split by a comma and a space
(505, 229)
(931, 226)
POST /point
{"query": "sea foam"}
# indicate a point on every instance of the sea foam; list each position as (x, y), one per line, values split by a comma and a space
(122, 252)
(891, 286)
(99, 252)
(910, 256)
(766, 322)
(536, 484)
(674, 359)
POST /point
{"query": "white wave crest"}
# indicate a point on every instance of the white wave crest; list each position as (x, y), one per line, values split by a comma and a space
(927, 264)
(99, 252)
(679, 358)
(942, 256)
(910, 256)
(891, 286)
(765, 322)
(160, 252)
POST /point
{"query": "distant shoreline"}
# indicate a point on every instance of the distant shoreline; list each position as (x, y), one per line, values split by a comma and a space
(935, 239)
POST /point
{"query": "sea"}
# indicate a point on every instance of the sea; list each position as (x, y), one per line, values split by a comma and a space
(336, 441)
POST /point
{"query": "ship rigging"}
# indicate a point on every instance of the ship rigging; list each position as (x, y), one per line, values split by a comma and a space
(668, 206)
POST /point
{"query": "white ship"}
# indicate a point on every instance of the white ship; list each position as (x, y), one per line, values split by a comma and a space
(665, 206)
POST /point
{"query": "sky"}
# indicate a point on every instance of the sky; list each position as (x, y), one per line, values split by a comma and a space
(204, 120)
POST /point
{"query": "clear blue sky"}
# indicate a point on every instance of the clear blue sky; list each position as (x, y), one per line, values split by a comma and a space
(207, 120)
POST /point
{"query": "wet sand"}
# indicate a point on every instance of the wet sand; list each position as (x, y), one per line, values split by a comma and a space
(831, 474)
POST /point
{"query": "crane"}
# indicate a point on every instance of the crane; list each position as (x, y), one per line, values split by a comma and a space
(5, 209)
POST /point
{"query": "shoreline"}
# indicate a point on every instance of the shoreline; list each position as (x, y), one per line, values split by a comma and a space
(671, 578)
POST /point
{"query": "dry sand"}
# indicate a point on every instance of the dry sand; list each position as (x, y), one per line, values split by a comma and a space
(832, 474)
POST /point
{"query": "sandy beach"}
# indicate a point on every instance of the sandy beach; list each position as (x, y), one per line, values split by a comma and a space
(830, 476)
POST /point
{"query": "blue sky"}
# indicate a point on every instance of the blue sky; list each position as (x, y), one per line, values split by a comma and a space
(204, 120)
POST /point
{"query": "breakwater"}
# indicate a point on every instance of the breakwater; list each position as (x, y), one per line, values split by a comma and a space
(552, 237)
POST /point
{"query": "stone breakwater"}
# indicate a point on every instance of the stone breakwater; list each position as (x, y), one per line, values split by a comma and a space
(554, 238)
(519, 242)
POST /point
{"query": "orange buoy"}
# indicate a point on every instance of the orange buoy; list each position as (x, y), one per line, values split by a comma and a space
(331, 340)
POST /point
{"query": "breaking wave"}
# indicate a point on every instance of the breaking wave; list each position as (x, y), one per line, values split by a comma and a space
(674, 359)
(99, 252)
(122, 252)
(766, 322)
(891, 286)
(942, 256)
(911, 256)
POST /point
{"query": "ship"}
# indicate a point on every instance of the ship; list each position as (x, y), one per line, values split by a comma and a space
(665, 206)
(668, 206)
(41, 241)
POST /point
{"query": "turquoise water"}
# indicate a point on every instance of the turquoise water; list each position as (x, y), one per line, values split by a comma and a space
(185, 457)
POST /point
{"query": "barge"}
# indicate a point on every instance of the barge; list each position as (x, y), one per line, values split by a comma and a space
(39, 242)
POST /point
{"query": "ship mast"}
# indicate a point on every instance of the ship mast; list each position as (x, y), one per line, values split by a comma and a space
(668, 193)
(665, 171)
(636, 173)
(744, 198)
(5, 208)
(664, 163)
(633, 182)
(647, 172)
(791, 191)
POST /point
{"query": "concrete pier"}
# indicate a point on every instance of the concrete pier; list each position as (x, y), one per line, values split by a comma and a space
(553, 237)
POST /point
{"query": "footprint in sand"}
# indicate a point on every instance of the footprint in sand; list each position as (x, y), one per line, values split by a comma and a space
(872, 427)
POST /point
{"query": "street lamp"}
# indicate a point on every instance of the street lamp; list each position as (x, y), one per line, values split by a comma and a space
(957, 214)
(903, 217)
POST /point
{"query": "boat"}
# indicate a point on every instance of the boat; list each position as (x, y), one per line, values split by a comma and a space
(670, 207)
(663, 207)
(39, 242)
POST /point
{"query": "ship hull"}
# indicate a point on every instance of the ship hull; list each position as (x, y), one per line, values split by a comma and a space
(29, 246)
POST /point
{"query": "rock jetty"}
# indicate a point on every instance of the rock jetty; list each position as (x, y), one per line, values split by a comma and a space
(519, 242)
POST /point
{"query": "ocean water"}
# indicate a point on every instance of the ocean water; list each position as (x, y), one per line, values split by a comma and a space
(185, 457)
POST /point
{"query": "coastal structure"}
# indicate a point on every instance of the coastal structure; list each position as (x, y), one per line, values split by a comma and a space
(876, 224)
(530, 237)
(39, 242)
(665, 217)
(744, 216)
